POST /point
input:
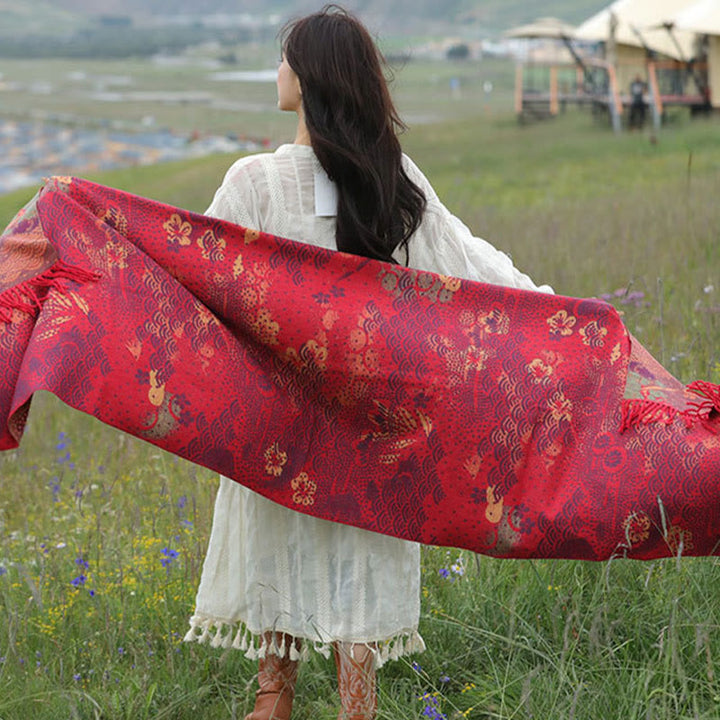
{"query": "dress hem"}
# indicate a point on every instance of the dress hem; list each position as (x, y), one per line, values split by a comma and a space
(223, 634)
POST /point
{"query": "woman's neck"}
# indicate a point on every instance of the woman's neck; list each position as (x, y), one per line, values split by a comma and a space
(302, 136)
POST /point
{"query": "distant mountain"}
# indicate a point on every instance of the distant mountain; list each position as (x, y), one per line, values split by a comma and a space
(393, 16)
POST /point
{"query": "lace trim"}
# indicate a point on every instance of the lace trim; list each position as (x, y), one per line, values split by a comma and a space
(221, 634)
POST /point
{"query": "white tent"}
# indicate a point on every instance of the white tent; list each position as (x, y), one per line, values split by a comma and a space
(546, 27)
(703, 17)
(551, 38)
(638, 24)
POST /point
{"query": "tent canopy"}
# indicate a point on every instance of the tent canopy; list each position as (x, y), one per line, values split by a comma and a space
(546, 27)
(640, 23)
(702, 17)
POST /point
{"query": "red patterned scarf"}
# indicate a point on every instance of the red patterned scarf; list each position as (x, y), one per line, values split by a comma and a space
(512, 423)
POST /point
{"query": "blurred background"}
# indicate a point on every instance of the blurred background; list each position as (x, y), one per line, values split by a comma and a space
(91, 85)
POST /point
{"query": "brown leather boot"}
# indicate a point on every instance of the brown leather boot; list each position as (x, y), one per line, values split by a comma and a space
(276, 677)
(356, 681)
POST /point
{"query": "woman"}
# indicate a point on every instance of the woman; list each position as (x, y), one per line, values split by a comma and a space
(287, 581)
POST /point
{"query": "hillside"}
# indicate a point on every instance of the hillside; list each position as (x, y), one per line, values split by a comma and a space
(401, 16)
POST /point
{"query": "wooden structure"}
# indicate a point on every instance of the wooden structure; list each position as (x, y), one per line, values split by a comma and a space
(702, 17)
(595, 84)
(635, 43)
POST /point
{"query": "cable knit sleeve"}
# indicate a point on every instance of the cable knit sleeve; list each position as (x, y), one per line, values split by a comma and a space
(443, 243)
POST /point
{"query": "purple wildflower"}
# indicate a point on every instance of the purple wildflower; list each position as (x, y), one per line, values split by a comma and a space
(430, 710)
(169, 555)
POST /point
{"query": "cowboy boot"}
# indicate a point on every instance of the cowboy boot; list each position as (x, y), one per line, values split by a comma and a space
(276, 678)
(356, 681)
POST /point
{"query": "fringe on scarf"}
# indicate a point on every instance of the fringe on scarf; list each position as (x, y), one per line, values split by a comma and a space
(220, 634)
(636, 411)
(26, 296)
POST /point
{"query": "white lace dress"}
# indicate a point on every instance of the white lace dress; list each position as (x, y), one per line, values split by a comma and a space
(268, 567)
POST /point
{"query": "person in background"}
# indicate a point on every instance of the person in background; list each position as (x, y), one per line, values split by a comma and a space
(638, 89)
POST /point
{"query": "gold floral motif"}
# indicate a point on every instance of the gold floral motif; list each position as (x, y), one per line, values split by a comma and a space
(636, 527)
(541, 368)
(616, 354)
(304, 489)
(275, 460)
(561, 323)
(178, 230)
(362, 359)
(495, 322)
(679, 539)
(313, 354)
(560, 407)
(438, 288)
(450, 285)
(463, 358)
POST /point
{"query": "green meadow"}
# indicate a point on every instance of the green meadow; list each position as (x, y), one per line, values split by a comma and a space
(102, 537)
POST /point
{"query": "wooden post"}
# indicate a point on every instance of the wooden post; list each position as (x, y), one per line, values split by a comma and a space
(553, 90)
(656, 105)
(614, 102)
(519, 89)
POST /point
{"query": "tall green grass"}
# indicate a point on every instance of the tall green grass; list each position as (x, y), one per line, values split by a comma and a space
(102, 537)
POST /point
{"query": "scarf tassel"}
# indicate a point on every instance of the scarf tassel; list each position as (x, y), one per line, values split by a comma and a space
(708, 404)
(28, 296)
(705, 408)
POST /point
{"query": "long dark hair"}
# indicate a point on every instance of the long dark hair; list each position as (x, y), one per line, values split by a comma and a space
(353, 127)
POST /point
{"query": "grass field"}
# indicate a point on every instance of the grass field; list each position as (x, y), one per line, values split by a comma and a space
(102, 537)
